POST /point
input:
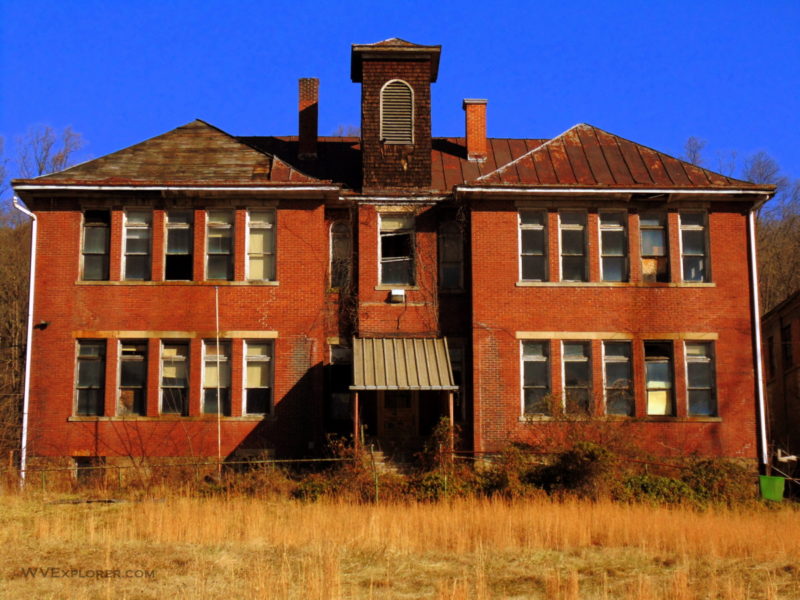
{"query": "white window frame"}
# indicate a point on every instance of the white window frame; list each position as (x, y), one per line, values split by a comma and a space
(548, 374)
(173, 225)
(671, 389)
(573, 227)
(224, 361)
(219, 225)
(666, 256)
(272, 224)
(543, 227)
(710, 360)
(271, 367)
(587, 359)
(102, 358)
(626, 251)
(161, 388)
(706, 254)
(106, 253)
(412, 231)
(147, 226)
(122, 359)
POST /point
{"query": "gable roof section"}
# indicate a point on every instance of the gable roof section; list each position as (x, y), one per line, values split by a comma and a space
(586, 156)
(194, 154)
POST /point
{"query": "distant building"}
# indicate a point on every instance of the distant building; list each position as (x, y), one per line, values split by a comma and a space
(278, 289)
(781, 339)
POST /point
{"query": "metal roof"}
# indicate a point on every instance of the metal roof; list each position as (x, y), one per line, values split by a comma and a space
(401, 364)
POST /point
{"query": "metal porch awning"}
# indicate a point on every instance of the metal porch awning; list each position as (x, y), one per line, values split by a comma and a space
(401, 364)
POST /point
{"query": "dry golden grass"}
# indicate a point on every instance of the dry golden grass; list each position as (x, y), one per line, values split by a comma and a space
(239, 547)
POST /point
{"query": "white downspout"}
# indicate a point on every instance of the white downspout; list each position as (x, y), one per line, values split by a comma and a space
(762, 413)
(23, 456)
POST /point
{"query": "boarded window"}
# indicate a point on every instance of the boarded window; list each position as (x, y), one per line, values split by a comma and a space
(341, 254)
(658, 371)
(533, 245)
(216, 378)
(700, 379)
(90, 381)
(655, 253)
(96, 227)
(397, 249)
(617, 374)
(535, 378)
(137, 245)
(573, 245)
(132, 378)
(258, 388)
(613, 246)
(261, 245)
(179, 247)
(694, 246)
(219, 245)
(397, 113)
(175, 378)
(451, 256)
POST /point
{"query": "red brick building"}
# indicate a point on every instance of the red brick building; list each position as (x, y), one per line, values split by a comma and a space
(200, 292)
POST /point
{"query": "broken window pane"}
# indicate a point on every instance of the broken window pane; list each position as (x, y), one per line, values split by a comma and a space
(658, 373)
(397, 249)
(655, 254)
(133, 378)
(178, 259)
(258, 378)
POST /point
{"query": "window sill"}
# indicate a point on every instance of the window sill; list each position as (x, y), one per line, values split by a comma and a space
(168, 418)
(614, 284)
(179, 283)
(385, 287)
(648, 419)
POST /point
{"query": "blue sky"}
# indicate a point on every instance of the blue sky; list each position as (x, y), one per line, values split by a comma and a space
(655, 72)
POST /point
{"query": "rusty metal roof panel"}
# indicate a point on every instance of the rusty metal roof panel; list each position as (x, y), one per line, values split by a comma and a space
(401, 364)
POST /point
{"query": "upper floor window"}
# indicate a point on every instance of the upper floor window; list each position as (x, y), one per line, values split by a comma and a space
(397, 113)
(617, 375)
(700, 379)
(655, 254)
(341, 254)
(573, 245)
(577, 378)
(258, 378)
(179, 246)
(397, 249)
(219, 245)
(694, 246)
(451, 256)
(96, 227)
(216, 378)
(137, 245)
(658, 373)
(771, 356)
(261, 245)
(90, 380)
(535, 378)
(613, 246)
(175, 378)
(533, 245)
(786, 346)
(132, 378)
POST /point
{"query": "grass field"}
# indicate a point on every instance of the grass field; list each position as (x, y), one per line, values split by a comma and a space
(241, 547)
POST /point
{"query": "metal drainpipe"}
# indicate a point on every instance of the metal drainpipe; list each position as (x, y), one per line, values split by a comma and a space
(23, 457)
(762, 416)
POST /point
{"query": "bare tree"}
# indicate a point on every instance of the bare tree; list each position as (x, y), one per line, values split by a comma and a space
(41, 150)
(693, 150)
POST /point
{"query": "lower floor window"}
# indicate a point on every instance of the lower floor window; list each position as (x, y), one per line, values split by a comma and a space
(174, 378)
(617, 376)
(216, 378)
(91, 377)
(700, 379)
(577, 378)
(535, 378)
(658, 372)
(258, 378)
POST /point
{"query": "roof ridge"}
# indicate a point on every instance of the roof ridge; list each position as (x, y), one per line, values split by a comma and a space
(528, 153)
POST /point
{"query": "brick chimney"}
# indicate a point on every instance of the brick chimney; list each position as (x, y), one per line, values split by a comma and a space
(477, 146)
(309, 112)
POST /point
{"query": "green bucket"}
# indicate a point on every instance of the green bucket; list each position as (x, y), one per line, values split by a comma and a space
(771, 487)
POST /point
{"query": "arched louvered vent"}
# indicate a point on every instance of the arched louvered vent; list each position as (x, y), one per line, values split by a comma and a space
(397, 113)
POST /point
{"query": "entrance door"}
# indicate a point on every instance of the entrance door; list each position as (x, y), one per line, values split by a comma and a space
(398, 420)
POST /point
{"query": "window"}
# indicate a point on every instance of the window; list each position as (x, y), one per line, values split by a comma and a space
(180, 241)
(341, 254)
(700, 379)
(786, 346)
(693, 246)
(91, 377)
(613, 246)
(771, 356)
(216, 378)
(220, 245)
(617, 374)
(533, 245)
(573, 245)
(96, 227)
(535, 379)
(577, 377)
(132, 378)
(261, 245)
(397, 249)
(340, 378)
(137, 245)
(658, 371)
(655, 256)
(456, 350)
(258, 374)
(174, 378)
(451, 256)
(397, 113)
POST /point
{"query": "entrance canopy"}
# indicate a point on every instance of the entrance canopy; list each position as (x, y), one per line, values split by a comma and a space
(401, 364)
